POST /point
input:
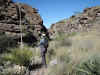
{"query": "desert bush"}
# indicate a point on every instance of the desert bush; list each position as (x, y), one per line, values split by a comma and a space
(6, 42)
(11, 69)
(19, 56)
(23, 57)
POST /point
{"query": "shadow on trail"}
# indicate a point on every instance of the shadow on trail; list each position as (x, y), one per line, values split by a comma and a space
(35, 66)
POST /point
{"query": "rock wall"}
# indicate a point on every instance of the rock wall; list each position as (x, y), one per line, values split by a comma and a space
(78, 22)
(16, 15)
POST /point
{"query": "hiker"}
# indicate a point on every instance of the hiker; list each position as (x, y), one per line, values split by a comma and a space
(43, 47)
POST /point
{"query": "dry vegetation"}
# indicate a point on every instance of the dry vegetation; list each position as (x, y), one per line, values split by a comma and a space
(76, 55)
(17, 60)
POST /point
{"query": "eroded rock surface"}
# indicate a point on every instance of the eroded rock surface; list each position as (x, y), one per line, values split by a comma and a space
(14, 16)
(79, 22)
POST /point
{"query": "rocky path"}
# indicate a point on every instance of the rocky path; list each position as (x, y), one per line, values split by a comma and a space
(40, 71)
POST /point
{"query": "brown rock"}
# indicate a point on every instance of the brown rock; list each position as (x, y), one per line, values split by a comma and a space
(12, 13)
(77, 23)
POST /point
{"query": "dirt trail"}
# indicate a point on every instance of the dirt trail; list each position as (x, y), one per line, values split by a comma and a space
(40, 71)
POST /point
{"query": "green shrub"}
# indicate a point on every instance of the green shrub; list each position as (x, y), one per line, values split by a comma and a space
(89, 66)
(6, 42)
(24, 57)
(19, 56)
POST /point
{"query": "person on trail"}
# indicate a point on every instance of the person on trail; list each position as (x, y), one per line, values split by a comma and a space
(43, 47)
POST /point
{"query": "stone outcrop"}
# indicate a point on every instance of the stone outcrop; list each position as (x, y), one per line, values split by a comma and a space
(16, 18)
(78, 22)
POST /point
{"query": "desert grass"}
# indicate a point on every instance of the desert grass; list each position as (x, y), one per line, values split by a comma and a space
(81, 57)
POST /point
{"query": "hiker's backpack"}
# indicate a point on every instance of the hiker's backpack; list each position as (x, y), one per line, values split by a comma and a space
(44, 42)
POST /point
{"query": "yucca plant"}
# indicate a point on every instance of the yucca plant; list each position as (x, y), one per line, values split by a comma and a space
(89, 66)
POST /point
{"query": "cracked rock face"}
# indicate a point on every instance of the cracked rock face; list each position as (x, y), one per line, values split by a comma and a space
(78, 22)
(16, 15)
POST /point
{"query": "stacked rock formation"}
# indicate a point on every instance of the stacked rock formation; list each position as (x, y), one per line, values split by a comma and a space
(78, 22)
(17, 18)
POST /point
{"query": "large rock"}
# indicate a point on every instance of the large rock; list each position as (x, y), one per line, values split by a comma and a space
(14, 16)
(78, 22)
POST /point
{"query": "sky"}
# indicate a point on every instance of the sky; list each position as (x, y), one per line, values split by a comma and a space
(53, 11)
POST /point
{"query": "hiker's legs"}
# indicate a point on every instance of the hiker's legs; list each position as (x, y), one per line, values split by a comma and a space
(43, 53)
(44, 60)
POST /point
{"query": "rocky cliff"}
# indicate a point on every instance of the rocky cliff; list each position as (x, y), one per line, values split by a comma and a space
(84, 21)
(17, 18)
